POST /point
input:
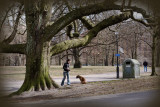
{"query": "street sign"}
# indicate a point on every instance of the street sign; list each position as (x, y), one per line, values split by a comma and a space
(117, 54)
(121, 49)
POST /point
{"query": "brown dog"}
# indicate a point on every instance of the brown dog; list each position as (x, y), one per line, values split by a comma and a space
(82, 79)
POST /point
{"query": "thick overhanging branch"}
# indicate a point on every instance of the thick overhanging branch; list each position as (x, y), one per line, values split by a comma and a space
(89, 25)
(143, 22)
(140, 20)
(147, 20)
(139, 10)
(13, 48)
(52, 30)
(139, 17)
(76, 33)
(74, 43)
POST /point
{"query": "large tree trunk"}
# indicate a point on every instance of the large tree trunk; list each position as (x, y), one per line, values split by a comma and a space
(112, 59)
(77, 63)
(37, 52)
(59, 59)
(135, 52)
(37, 68)
(87, 60)
(67, 56)
(153, 56)
(157, 59)
(107, 57)
(135, 48)
(157, 52)
(132, 54)
(106, 60)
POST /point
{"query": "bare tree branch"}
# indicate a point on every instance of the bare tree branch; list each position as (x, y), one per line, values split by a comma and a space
(74, 43)
(53, 29)
(123, 4)
(66, 55)
(22, 33)
(146, 43)
(75, 14)
(5, 17)
(98, 44)
(12, 36)
(129, 3)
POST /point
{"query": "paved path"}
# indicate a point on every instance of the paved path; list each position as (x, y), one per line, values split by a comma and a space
(11, 86)
(92, 77)
(134, 99)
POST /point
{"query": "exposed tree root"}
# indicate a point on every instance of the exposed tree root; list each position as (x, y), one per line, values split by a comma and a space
(41, 84)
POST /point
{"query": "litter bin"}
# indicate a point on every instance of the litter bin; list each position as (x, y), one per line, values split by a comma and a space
(131, 68)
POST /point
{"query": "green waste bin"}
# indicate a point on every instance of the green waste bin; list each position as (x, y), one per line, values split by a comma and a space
(131, 68)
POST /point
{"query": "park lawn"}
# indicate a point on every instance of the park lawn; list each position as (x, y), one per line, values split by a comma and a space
(18, 72)
(85, 70)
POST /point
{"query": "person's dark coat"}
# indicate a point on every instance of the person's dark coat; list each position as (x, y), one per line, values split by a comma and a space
(145, 63)
(66, 67)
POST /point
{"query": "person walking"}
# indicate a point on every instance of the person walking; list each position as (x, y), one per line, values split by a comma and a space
(145, 64)
(66, 72)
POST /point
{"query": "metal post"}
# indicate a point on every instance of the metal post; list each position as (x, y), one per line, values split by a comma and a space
(116, 33)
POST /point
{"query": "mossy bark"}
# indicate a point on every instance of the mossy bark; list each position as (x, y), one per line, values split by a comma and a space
(13, 48)
(37, 51)
(37, 69)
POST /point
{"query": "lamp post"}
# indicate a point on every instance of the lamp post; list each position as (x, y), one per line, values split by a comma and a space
(116, 33)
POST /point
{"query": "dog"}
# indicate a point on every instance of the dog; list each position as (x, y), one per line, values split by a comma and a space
(82, 79)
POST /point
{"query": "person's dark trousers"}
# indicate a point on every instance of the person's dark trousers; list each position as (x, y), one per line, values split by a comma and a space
(145, 68)
(65, 73)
